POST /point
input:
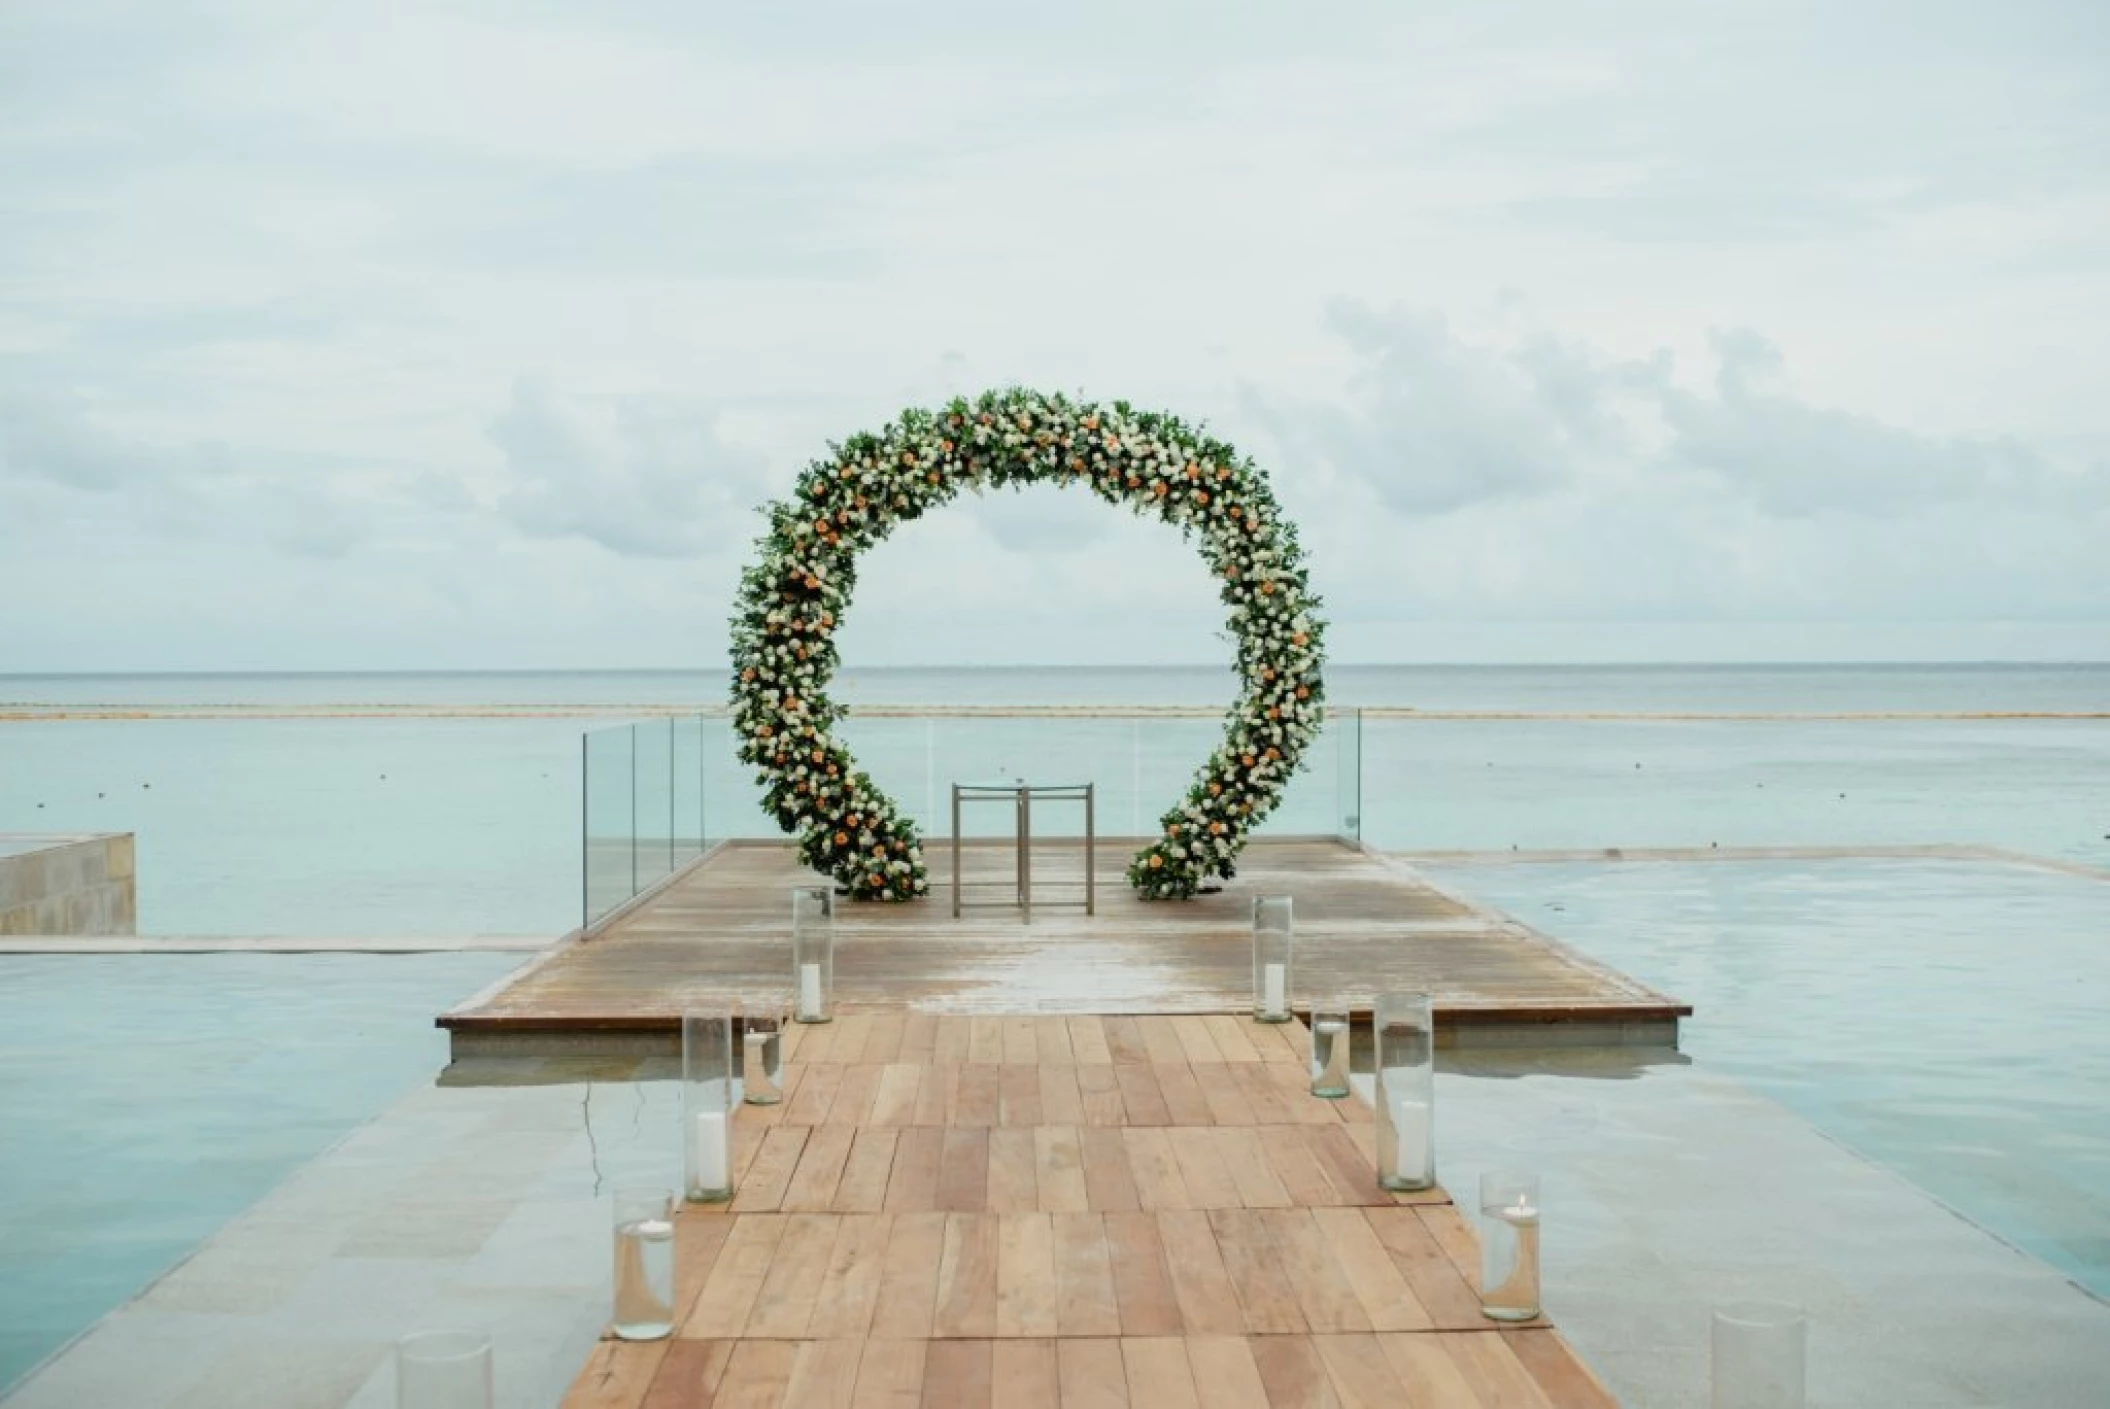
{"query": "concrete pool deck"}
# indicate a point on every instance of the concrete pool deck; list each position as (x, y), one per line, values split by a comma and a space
(1668, 1188)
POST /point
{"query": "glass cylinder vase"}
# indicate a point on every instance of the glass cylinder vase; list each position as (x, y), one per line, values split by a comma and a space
(1758, 1356)
(813, 954)
(762, 1052)
(1406, 1091)
(707, 1102)
(1329, 1052)
(644, 1264)
(443, 1370)
(1509, 1246)
(1271, 957)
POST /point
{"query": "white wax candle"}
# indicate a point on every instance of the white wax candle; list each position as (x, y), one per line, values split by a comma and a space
(710, 1156)
(809, 990)
(1274, 988)
(1410, 1128)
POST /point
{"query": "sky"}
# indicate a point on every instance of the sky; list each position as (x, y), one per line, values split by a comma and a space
(461, 336)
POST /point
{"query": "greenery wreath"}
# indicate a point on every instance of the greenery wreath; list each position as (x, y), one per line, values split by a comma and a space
(793, 598)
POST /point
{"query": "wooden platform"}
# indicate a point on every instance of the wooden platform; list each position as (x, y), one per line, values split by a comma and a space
(1364, 924)
(1023, 1211)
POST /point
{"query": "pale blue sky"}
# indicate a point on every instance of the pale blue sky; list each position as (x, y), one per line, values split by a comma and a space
(338, 336)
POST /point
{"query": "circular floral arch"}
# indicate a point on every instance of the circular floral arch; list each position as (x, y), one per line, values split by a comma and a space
(793, 598)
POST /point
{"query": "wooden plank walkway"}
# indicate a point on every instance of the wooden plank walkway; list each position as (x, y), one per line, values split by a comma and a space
(1038, 1210)
(1364, 924)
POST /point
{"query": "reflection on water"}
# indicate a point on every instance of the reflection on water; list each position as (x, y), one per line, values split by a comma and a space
(1943, 1018)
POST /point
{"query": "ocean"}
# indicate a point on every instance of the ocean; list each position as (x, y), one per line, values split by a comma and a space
(451, 803)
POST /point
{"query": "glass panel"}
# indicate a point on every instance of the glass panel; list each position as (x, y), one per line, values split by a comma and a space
(655, 801)
(1347, 729)
(688, 787)
(609, 876)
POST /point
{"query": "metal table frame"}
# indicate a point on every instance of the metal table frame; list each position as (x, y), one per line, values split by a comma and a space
(1021, 796)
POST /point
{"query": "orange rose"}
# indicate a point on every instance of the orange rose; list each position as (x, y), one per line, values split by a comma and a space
(1156, 861)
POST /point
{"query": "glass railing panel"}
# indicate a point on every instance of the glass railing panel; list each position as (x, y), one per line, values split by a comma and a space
(608, 863)
(688, 782)
(655, 800)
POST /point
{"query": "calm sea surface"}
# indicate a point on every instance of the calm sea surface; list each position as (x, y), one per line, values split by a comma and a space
(411, 824)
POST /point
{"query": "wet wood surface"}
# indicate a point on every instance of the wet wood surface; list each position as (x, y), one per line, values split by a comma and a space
(1364, 924)
(934, 1215)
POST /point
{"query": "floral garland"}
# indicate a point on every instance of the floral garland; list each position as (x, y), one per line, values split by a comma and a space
(792, 602)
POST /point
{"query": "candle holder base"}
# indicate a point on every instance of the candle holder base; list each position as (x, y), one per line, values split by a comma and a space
(707, 1196)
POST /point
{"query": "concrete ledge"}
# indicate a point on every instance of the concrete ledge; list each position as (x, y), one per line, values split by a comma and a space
(67, 885)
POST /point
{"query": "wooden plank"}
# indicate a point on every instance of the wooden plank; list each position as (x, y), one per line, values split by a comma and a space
(1143, 1287)
(1195, 1040)
(863, 1186)
(819, 1170)
(1295, 1376)
(979, 1101)
(616, 1375)
(1058, 1170)
(1025, 1276)
(1161, 1042)
(1494, 1372)
(1124, 1040)
(1052, 1046)
(1141, 1101)
(963, 1171)
(1447, 1225)
(777, 1157)
(851, 1030)
(967, 1269)
(1100, 1087)
(1019, 1095)
(1159, 1373)
(1061, 1102)
(1154, 1167)
(1088, 1040)
(937, 1093)
(1360, 1371)
(690, 1374)
(1093, 1374)
(1245, 1157)
(1012, 1185)
(1208, 1178)
(785, 1303)
(919, 1037)
(1107, 1181)
(1182, 1095)
(894, 1103)
(954, 1040)
(1225, 1376)
(1264, 1291)
(697, 1242)
(810, 1104)
(1561, 1374)
(1386, 1299)
(1306, 1180)
(824, 1374)
(1021, 1043)
(729, 1295)
(908, 1281)
(912, 1184)
(1026, 1373)
(883, 1043)
(1207, 1300)
(850, 1286)
(1227, 1100)
(854, 1098)
(1268, 1102)
(1426, 1371)
(957, 1373)
(1349, 1158)
(985, 1045)
(1447, 1297)
(1084, 1276)
(890, 1373)
(1323, 1291)
(1234, 1037)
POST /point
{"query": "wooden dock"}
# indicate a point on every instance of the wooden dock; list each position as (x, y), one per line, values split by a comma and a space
(1365, 924)
(1037, 1210)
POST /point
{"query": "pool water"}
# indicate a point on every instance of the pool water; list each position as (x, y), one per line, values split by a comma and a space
(1949, 1020)
(147, 1099)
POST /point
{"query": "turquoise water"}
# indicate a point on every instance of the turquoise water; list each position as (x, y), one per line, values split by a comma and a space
(1946, 1019)
(436, 826)
(148, 1099)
